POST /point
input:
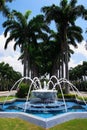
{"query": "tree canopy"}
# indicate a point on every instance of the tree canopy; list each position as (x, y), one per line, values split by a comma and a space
(8, 76)
(44, 50)
(79, 72)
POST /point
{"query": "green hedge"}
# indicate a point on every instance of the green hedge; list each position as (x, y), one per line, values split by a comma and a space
(69, 96)
(22, 90)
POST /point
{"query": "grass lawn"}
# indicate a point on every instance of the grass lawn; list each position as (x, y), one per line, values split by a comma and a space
(18, 124)
(3, 98)
(77, 124)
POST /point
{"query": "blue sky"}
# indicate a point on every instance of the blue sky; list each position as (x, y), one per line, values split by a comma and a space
(9, 56)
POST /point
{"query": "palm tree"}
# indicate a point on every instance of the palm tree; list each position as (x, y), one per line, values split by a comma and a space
(46, 56)
(39, 38)
(64, 16)
(74, 34)
(4, 8)
(18, 29)
(40, 32)
(25, 33)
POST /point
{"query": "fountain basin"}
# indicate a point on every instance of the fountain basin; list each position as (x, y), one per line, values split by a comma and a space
(44, 94)
(44, 119)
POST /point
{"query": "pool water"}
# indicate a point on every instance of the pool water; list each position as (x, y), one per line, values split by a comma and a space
(72, 107)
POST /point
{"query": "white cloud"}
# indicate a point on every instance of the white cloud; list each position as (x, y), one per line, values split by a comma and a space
(81, 49)
(73, 63)
(9, 55)
(78, 54)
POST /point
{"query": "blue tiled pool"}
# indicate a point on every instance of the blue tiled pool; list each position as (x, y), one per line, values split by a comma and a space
(16, 107)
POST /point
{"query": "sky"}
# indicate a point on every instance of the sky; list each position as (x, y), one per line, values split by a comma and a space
(10, 56)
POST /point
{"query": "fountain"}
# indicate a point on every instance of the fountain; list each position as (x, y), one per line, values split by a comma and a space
(42, 105)
(44, 99)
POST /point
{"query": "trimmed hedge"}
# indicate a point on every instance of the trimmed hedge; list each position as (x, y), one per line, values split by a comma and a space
(69, 96)
(22, 90)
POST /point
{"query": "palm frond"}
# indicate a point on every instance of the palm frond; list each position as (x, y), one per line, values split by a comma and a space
(27, 14)
(7, 41)
(19, 17)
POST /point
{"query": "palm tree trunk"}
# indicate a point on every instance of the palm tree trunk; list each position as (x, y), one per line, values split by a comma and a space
(24, 72)
(55, 68)
(29, 66)
(66, 69)
(25, 62)
(62, 65)
(66, 60)
(35, 70)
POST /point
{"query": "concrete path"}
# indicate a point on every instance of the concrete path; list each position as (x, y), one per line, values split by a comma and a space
(6, 93)
(84, 94)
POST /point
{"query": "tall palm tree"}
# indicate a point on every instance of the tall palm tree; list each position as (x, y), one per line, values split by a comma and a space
(39, 32)
(74, 34)
(25, 33)
(64, 16)
(47, 55)
(4, 8)
(18, 29)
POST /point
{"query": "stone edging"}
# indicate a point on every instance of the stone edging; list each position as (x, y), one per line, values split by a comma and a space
(47, 122)
(43, 122)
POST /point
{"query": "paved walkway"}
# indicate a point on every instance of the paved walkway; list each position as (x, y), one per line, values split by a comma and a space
(84, 94)
(5, 93)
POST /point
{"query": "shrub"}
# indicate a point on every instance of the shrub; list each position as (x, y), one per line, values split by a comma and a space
(22, 90)
(69, 96)
(81, 86)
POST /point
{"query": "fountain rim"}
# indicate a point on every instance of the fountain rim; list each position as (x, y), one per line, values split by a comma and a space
(45, 123)
(44, 90)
